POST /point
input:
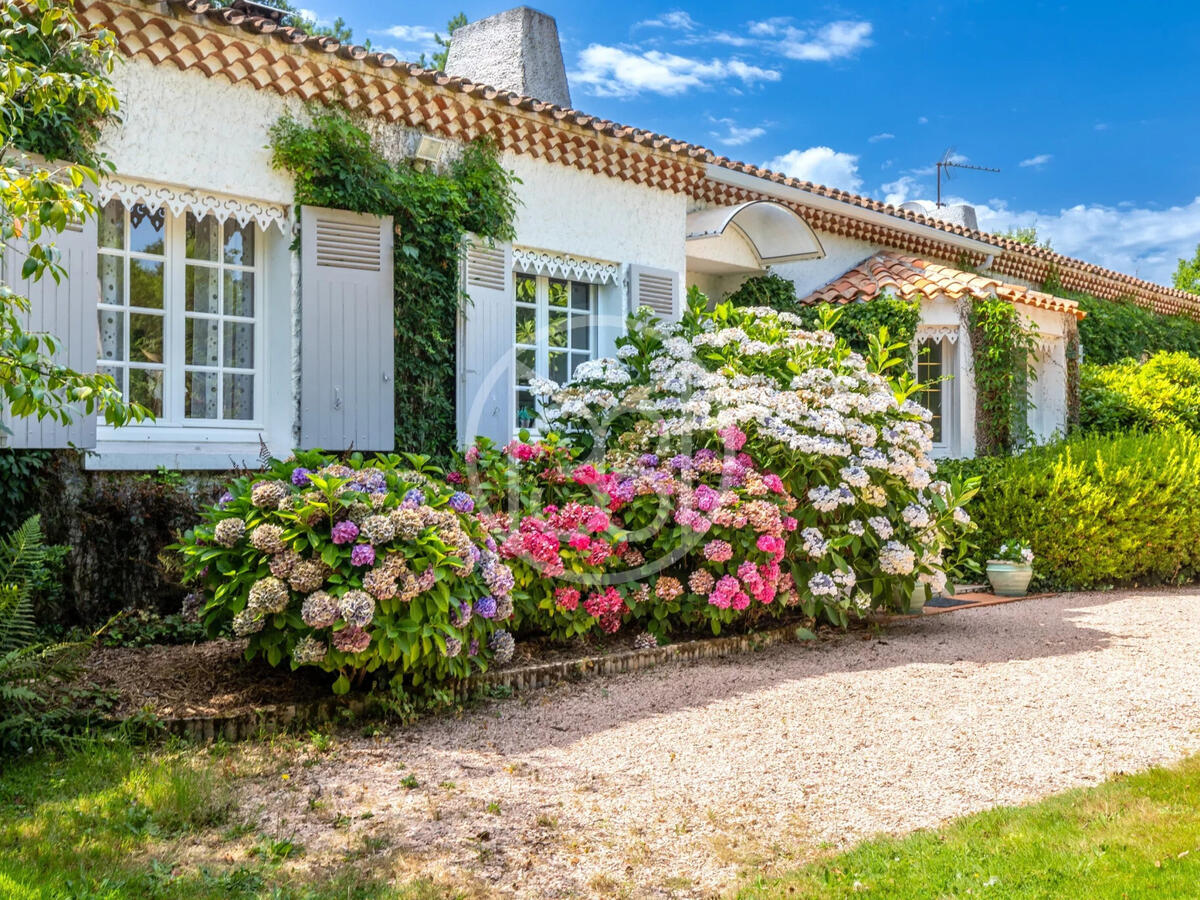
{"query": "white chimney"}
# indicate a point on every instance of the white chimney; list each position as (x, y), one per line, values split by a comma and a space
(956, 214)
(514, 51)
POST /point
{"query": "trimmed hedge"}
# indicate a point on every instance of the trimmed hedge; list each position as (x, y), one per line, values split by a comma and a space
(1098, 510)
(1163, 392)
(1120, 329)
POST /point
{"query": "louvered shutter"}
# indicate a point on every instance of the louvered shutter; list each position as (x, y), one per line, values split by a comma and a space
(67, 310)
(657, 289)
(347, 331)
(486, 353)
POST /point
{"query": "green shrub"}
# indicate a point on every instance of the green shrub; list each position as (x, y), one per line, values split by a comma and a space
(352, 568)
(1163, 392)
(1098, 510)
(1120, 329)
(857, 322)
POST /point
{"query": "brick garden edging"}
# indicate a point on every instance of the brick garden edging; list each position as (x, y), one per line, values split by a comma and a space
(526, 677)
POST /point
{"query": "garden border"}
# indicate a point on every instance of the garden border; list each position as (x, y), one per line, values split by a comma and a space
(525, 677)
(530, 676)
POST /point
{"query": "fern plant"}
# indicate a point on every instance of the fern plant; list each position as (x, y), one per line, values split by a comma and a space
(30, 672)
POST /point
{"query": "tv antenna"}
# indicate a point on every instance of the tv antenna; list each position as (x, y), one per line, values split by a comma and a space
(947, 163)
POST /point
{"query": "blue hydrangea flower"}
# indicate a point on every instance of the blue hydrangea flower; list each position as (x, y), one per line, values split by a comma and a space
(225, 498)
(300, 477)
(486, 606)
(462, 502)
(415, 496)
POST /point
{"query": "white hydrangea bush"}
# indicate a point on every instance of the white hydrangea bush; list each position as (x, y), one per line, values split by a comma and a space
(872, 523)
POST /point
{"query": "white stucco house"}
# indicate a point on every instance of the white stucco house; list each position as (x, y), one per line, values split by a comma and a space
(190, 293)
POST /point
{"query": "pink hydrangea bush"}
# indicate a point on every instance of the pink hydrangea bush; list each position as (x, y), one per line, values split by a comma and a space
(353, 567)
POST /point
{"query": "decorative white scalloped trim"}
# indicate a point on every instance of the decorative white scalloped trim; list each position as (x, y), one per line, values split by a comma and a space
(556, 265)
(202, 203)
(927, 334)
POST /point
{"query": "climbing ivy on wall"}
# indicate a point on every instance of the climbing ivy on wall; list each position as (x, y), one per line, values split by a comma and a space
(335, 165)
(858, 321)
(1002, 347)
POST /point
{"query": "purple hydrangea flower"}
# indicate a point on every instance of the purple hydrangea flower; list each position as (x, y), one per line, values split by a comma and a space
(705, 454)
(225, 498)
(415, 496)
(490, 543)
(486, 606)
(649, 460)
(344, 532)
(460, 614)
(462, 502)
(680, 461)
(362, 555)
(300, 477)
(473, 650)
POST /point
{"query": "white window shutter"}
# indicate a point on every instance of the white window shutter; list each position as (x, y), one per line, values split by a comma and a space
(657, 289)
(486, 337)
(67, 310)
(347, 331)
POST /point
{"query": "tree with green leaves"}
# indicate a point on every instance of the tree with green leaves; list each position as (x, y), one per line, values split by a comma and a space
(1025, 235)
(1187, 273)
(54, 93)
(438, 59)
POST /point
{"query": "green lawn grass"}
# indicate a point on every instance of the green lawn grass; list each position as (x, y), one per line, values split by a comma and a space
(1133, 837)
(107, 822)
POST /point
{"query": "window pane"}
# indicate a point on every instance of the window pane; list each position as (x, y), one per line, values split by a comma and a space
(116, 374)
(558, 367)
(145, 284)
(526, 364)
(559, 291)
(200, 395)
(146, 388)
(112, 335)
(239, 294)
(111, 278)
(200, 288)
(239, 345)
(526, 326)
(146, 229)
(202, 339)
(526, 288)
(239, 396)
(239, 243)
(145, 338)
(112, 225)
(577, 359)
(558, 329)
(581, 296)
(526, 409)
(581, 333)
(203, 237)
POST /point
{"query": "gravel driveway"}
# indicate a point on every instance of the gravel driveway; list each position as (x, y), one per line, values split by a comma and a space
(672, 781)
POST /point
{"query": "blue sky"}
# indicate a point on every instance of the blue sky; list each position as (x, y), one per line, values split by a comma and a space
(1091, 110)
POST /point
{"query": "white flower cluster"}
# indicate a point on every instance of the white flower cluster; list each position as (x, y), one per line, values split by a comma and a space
(897, 559)
(815, 544)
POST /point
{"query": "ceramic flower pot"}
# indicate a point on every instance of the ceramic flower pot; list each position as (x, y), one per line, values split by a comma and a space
(1009, 579)
(917, 599)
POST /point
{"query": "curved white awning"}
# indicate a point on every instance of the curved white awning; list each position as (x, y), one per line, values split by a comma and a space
(773, 232)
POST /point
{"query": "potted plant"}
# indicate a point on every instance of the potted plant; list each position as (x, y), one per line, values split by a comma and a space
(1011, 569)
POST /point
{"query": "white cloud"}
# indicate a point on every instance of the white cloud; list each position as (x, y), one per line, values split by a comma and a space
(677, 20)
(1138, 241)
(1036, 162)
(614, 72)
(409, 34)
(882, 136)
(820, 165)
(735, 135)
(411, 41)
(836, 40)
(922, 120)
(903, 188)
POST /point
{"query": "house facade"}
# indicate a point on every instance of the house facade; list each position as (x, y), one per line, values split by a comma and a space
(192, 292)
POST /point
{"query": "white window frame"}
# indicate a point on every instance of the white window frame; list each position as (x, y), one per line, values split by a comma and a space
(947, 387)
(541, 345)
(173, 424)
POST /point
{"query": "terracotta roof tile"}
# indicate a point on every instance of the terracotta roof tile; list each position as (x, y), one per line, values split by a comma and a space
(910, 277)
(166, 30)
